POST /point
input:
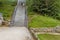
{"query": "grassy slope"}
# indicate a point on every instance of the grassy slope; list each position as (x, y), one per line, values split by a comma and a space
(48, 37)
(7, 10)
(37, 21)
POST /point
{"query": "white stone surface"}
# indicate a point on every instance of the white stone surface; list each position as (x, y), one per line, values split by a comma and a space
(19, 15)
(1, 18)
(14, 33)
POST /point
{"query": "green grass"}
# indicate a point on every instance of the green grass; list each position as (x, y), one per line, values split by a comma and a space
(37, 21)
(7, 8)
(7, 12)
(48, 37)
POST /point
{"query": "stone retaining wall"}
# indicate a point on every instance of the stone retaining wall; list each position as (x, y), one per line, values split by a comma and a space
(46, 30)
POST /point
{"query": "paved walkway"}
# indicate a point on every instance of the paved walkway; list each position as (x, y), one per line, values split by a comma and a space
(18, 19)
(19, 15)
(14, 33)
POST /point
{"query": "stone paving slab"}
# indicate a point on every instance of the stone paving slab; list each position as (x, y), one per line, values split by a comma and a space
(14, 33)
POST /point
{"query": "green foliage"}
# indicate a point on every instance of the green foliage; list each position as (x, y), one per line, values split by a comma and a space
(45, 7)
(29, 5)
(7, 8)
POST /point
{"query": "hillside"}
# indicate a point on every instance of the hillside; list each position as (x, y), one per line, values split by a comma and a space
(37, 21)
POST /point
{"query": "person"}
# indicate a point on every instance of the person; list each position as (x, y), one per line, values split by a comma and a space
(22, 4)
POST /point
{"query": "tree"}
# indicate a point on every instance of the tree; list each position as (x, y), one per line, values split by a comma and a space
(45, 7)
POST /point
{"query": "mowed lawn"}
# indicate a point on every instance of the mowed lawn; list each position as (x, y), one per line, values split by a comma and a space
(36, 21)
(48, 37)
